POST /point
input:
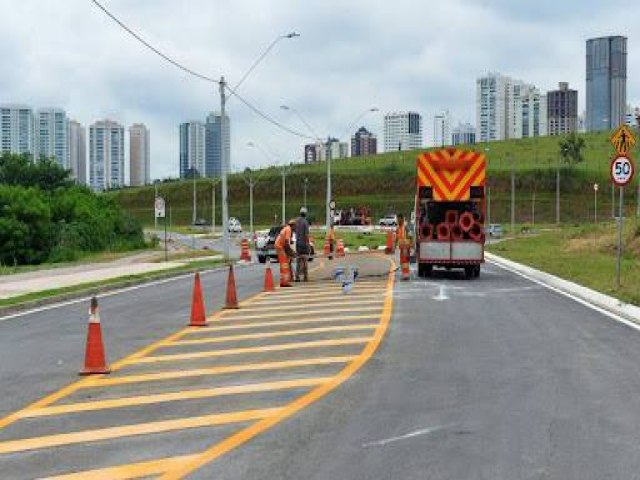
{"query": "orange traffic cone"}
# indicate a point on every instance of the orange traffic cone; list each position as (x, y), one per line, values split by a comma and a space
(94, 358)
(327, 246)
(405, 254)
(245, 254)
(340, 248)
(198, 317)
(232, 298)
(268, 278)
(389, 247)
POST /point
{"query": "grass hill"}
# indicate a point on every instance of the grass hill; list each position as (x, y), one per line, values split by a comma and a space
(386, 183)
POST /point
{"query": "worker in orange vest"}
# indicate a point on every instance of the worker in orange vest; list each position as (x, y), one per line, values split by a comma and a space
(285, 253)
(401, 231)
(331, 236)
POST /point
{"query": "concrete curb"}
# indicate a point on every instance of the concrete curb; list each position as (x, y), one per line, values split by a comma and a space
(605, 302)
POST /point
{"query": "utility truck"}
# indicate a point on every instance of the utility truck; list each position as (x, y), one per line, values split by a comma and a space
(450, 207)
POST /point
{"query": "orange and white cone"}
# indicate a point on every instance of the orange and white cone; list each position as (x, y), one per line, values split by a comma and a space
(389, 249)
(340, 248)
(405, 254)
(198, 316)
(94, 357)
(268, 278)
(245, 253)
(231, 301)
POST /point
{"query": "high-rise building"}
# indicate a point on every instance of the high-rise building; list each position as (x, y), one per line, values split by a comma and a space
(508, 108)
(214, 142)
(333, 149)
(562, 110)
(463, 134)
(606, 82)
(402, 131)
(106, 155)
(52, 135)
(17, 129)
(311, 153)
(78, 152)
(139, 155)
(363, 142)
(442, 129)
(192, 149)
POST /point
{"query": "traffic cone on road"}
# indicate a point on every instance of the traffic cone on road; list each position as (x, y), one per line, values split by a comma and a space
(389, 247)
(245, 253)
(405, 254)
(232, 298)
(327, 247)
(94, 358)
(340, 248)
(198, 317)
(268, 278)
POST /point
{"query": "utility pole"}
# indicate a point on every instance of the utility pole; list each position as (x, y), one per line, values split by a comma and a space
(225, 167)
(533, 208)
(193, 209)
(328, 216)
(155, 218)
(306, 184)
(558, 191)
(620, 227)
(284, 195)
(513, 197)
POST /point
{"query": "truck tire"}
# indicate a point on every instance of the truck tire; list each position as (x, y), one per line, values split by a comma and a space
(476, 272)
(262, 259)
(425, 270)
(469, 272)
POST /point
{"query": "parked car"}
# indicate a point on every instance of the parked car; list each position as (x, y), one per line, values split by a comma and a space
(390, 220)
(265, 245)
(494, 230)
(201, 222)
(234, 225)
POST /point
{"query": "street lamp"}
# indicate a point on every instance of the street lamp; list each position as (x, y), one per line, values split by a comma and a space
(224, 160)
(306, 184)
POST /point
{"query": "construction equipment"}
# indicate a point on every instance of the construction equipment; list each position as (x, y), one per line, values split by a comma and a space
(450, 199)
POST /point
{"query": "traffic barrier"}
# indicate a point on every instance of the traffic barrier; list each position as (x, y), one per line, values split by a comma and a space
(340, 248)
(475, 232)
(268, 277)
(456, 232)
(405, 254)
(94, 357)
(245, 253)
(198, 316)
(231, 301)
(389, 249)
(443, 232)
(466, 221)
(451, 217)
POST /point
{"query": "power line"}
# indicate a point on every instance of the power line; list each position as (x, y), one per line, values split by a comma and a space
(188, 70)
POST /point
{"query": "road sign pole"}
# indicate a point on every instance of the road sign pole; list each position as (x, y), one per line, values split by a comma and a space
(166, 251)
(620, 224)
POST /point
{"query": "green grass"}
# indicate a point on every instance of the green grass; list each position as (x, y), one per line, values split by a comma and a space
(386, 183)
(583, 254)
(96, 287)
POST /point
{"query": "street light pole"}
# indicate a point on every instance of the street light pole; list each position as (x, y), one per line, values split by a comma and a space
(284, 194)
(225, 168)
(328, 209)
(155, 218)
(193, 209)
(558, 191)
(513, 197)
(306, 183)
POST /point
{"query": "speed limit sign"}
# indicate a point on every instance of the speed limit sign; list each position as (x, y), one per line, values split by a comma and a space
(622, 170)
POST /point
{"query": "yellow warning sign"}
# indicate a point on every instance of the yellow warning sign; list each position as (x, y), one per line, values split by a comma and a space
(623, 140)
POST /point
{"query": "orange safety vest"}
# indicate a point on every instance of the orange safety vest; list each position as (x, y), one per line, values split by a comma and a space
(284, 237)
(331, 235)
(401, 233)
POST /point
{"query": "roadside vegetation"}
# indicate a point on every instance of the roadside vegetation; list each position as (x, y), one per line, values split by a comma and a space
(385, 183)
(46, 218)
(585, 254)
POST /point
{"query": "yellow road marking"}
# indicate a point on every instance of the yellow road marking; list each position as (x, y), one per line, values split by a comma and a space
(279, 323)
(235, 315)
(174, 396)
(253, 367)
(333, 288)
(256, 428)
(109, 433)
(285, 333)
(247, 350)
(127, 472)
(352, 301)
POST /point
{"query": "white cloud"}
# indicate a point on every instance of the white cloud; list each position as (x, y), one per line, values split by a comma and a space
(405, 54)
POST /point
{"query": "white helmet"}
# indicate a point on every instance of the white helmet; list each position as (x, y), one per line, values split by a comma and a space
(303, 211)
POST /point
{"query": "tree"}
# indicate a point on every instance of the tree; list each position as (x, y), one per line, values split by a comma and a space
(571, 148)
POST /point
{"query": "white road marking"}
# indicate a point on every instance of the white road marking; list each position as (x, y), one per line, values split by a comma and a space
(607, 313)
(66, 303)
(406, 436)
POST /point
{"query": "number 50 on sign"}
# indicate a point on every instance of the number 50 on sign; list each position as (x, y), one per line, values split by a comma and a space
(622, 170)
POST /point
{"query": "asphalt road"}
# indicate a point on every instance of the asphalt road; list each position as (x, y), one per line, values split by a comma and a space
(495, 378)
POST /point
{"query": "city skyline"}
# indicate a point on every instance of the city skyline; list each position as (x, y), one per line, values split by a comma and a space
(413, 67)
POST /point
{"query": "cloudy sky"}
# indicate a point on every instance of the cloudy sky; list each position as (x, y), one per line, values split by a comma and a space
(351, 56)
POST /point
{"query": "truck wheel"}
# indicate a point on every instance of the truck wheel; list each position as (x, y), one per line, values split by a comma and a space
(476, 272)
(424, 270)
(469, 272)
(262, 259)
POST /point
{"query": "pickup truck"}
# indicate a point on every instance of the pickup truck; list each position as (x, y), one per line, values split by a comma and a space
(265, 245)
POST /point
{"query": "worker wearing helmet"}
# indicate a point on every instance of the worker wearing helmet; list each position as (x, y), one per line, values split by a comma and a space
(302, 245)
(285, 253)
